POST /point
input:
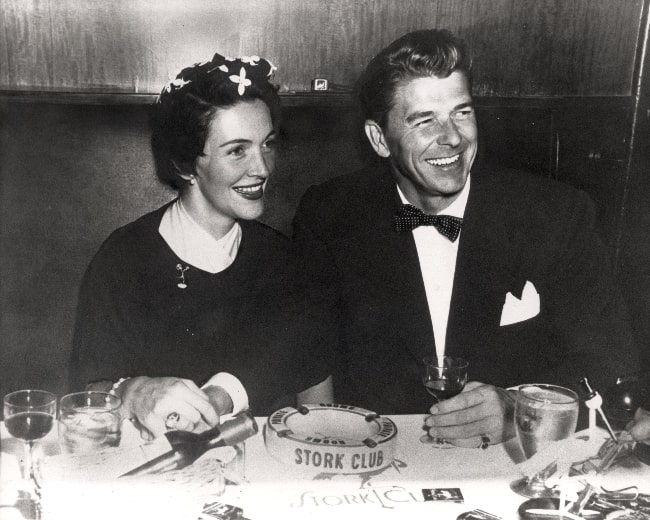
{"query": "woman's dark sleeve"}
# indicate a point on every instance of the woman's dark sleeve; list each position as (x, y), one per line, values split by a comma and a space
(108, 326)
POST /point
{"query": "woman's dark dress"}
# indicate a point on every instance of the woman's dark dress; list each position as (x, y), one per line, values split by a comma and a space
(249, 320)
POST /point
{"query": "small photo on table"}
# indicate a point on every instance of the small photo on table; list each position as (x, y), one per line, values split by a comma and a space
(443, 495)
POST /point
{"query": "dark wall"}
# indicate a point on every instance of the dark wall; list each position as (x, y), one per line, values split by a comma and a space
(71, 173)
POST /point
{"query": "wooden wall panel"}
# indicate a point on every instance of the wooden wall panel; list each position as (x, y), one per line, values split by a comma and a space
(25, 43)
(521, 47)
(94, 44)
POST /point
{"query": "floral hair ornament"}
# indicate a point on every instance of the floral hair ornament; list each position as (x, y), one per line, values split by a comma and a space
(242, 72)
(242, 80)
(176, 84)
(252, 60)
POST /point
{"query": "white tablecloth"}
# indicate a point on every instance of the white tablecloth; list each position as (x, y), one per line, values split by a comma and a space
(275, 490)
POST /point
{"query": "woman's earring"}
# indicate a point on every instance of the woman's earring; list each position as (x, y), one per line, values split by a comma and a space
(192, 180)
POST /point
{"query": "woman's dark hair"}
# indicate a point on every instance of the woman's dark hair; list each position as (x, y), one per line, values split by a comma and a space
(415, 55)
(181, 116)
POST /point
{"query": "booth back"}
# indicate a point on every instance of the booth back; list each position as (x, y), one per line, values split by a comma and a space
(71, 174)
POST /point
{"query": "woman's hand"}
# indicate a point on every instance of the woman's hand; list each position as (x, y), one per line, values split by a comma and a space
(150, 400)
(479, 411)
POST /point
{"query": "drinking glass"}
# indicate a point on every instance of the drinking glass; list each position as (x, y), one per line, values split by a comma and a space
(443, 379)
(89, 422)
(543, 414)
(28, 416)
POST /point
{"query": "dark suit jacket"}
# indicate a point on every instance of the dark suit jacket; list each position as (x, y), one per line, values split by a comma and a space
(517, 228)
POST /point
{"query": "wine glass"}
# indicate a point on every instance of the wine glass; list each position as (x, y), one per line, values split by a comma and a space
(543, 414)
(443, 380)
(29, 416)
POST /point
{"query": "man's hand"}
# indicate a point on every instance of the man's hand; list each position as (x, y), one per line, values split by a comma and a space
(479, 410)
(150, 400)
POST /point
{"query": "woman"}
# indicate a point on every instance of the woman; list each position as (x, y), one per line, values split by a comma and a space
(198, 286)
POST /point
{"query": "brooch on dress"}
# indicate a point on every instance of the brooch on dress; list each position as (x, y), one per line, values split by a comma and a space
(182, 284)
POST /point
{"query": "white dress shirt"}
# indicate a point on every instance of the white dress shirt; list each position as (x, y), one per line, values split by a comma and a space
(437, 255)
(194, 245)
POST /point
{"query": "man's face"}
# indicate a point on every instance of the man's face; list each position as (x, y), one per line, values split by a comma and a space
(430, 139)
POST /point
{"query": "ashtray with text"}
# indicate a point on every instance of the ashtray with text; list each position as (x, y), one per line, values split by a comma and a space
(331, 438)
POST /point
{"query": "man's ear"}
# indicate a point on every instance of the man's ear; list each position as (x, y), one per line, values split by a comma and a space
(376, 137)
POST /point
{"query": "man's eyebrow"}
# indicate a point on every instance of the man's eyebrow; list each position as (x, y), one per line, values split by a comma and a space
(467, 104)
(430, 113)
(419, 115)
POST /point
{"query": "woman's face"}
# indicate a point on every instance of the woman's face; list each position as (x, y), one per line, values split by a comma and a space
(239, 157)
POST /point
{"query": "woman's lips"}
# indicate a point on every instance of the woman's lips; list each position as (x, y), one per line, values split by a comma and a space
(252, 192)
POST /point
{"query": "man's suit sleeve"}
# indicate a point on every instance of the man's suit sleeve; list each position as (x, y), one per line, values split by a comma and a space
(311, 245)
(321, 283)
(585, 305)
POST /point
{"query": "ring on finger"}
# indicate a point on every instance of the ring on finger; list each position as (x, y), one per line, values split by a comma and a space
(485, 441)
(172, 420)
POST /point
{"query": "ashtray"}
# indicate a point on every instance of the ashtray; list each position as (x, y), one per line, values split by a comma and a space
(548, 509)
(331, 438)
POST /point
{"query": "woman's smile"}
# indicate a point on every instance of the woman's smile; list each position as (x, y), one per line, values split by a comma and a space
(251, 191)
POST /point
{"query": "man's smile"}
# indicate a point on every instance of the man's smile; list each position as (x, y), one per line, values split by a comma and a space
(444, 161)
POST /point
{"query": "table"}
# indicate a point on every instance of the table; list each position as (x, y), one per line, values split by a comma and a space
(274, 490)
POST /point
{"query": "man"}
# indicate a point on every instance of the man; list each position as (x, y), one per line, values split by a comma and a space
(524, 293)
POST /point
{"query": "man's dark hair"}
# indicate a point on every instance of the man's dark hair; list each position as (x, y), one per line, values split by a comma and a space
(418, 54)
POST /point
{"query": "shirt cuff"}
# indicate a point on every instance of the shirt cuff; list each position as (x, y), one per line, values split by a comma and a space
(233, 387)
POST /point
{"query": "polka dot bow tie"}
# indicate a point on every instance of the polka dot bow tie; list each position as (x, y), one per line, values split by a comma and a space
(409, 217)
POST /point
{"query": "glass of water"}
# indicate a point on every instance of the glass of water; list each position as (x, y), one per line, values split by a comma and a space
(89, 422)
(543, 414)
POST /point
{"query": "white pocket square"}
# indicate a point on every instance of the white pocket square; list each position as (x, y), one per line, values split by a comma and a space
(516, 310)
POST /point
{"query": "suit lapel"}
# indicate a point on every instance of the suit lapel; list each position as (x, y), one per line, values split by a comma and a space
(393, 272)
(388, 263)
(484, 270)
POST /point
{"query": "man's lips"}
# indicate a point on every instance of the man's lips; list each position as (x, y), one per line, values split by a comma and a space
(444, 161)
(252, 191)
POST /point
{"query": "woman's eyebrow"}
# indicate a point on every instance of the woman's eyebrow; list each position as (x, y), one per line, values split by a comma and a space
(245, 141)
(235, 141)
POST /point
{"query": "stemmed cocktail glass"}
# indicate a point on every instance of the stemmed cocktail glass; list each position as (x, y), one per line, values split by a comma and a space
(29, 416)
(443, 379)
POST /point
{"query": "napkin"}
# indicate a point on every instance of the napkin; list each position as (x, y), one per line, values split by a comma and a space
(516, 310)
(87, 486)
(564, 453)
(103, 465)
